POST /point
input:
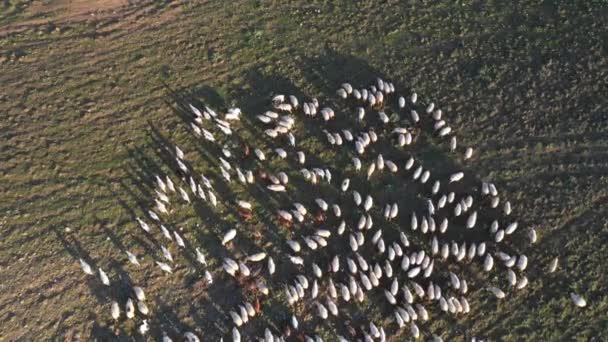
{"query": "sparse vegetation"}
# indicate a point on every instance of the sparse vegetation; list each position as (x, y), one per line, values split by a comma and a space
(85, 101)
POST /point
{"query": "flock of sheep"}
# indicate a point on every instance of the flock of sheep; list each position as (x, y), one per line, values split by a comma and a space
(412, 259)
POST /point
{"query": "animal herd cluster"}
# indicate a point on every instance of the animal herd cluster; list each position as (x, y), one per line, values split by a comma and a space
(349, 240)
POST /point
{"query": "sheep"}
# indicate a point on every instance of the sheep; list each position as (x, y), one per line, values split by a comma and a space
(453, 144)
(438, 125)
(142, 308)
(472, 220)
(369, 202)
(259, 154)
(488, 263)
(212, 198)
(437, 114)
(143, 225)
(164, 267)
(132, 259)
(354, 246)
(115, 310)
(284, 107)
(310, 243)
(371, 169)
(380, 162)
(507, 208)
(522, 262)
(390, 297)
(256, 257)
(409, 163)
(414, 330)
(445, 131)
(356, 163)
(468, 153)
(578, 300)
(322, 204)
(553, 265)
(317, 270)
(500, 234)
(532, 235)
(296, 260)
(413, 272)
(200, 257)
(104, 277)
(401, 102)
(522, 283)
(85, 267)
(415, 263)
(383, 117)
(455, 177)
(345, 184)
(413, 98)
(496, 291)
(276, 187)
(229, 236)
(415, 117)
(394, 211)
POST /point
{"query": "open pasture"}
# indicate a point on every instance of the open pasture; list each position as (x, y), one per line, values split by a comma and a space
(89, 103)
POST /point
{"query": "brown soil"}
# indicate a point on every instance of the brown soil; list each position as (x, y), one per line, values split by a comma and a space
(68, 11)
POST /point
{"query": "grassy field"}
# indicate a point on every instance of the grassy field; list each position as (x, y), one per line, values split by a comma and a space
(86, 98)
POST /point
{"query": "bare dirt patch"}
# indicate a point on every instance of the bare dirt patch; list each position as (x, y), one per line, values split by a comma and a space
(71, 8)
(65, 11)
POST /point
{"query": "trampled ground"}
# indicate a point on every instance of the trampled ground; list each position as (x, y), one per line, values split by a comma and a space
(85, 98)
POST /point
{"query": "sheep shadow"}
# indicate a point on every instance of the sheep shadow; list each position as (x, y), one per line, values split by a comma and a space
(325, 73)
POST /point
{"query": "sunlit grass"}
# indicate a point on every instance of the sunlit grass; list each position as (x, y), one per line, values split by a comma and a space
(522, 83)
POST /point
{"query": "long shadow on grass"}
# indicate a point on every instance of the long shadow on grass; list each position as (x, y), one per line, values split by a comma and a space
(312, 130)
(326, 72)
